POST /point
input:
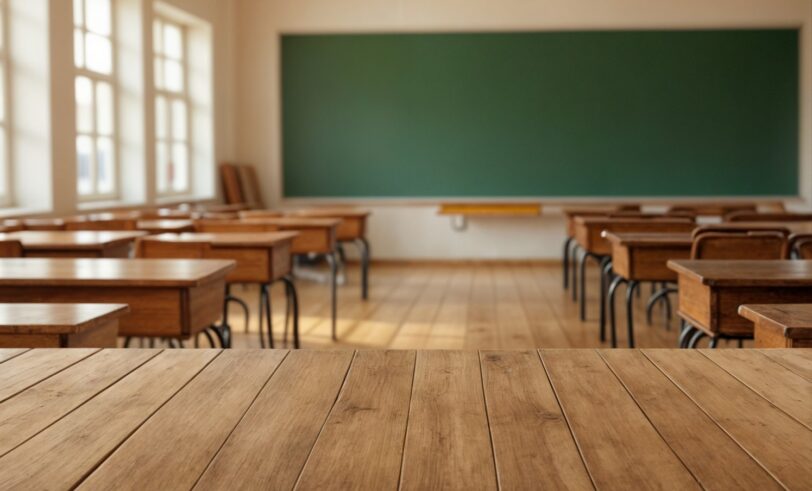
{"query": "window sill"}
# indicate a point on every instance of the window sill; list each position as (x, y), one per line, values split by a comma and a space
(108, 205)
(13, 212)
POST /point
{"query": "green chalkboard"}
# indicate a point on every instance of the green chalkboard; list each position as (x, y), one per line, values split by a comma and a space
(547, 114)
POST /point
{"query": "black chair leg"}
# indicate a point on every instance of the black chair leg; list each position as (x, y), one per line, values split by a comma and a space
(363, 247)
(611, 299)
(574, 266)
(713, 342)
(333, 262)
(606, 271)
(698, 335)
(565, 262)
(630, 289)
(265, 315)
(290, 290)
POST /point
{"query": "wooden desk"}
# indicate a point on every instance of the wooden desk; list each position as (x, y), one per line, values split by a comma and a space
(11, 226)
(792, 227)
(315, 236)
(638, 257)
(74, 244)
(261, 258)
(36, 325)
(589, 235)
(711, 291)
(620, 419)
(165, 226)
(168, 298)
(780, 326)
(43, 224)
(353, 229)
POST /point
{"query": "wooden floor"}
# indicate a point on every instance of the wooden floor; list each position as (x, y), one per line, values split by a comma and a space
(454, 306)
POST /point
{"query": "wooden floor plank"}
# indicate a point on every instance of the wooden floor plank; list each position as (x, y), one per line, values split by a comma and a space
(449, 329)
(39, 406)
(685, 427)
(747, 417)
(191, 427)
(415, 331)
(531, 439)
(511, 321)
(361, 445)
(9, 353)
(447, 441)
(269, 447)
(481, 332)
(27, 369)
(620, 447)
(797, 360)
(781, 386)
(60, 456)
(542, 321)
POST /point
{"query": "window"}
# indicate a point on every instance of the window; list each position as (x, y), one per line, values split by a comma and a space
(96, 149)
(5, 167)
(172, 142)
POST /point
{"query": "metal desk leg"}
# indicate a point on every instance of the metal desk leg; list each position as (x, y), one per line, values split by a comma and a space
(333, 262)
(265, 315)
(293, 298)
(611, 298)
(565, 261)
(606, 277)
(363, 247)
(630, 289)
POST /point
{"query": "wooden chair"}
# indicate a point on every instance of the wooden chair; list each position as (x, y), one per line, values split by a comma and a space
(801, 246)
(11, 248)
(154, 249)
(751, 216)
(750, 245)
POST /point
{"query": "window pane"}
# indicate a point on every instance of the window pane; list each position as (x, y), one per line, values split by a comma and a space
(98, 16)
(78, 49)
(173, 74)
(160, 118)
(162, 167)
(179, 120)
(78, 13)
(105, 166)
(99, 54)
(104, 108)
(159, 73)
(84, 158)
(157, 37)
(180, 167)
(2, 96)
(3, 165)
(84, 105)
(173, 42)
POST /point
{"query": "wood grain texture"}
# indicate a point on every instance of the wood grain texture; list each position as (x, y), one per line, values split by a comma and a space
(110, 272)
(36, 408)
(744, 273)
(785, 450)
(27, 369)
(272, 442)
(361, 445)
(37, 318)
(602, 417)
(447, 442)
(685, 427)
(793, 321)
(9, 353)
(61, 455)
(532, 442)
(199, 418)
(782, 387)
(799, 361)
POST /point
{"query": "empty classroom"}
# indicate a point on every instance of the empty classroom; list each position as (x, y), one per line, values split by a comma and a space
(401, 244)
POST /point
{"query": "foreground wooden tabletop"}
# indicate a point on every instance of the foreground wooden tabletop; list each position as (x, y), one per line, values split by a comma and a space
(622, 419)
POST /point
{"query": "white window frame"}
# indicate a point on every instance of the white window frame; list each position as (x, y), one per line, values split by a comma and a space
(168, 140)
(7, 194)
(111, 79)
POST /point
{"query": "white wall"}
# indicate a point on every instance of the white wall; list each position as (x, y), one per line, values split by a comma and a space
(409, 231)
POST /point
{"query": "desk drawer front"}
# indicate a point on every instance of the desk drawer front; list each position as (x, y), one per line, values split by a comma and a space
(253, 265)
